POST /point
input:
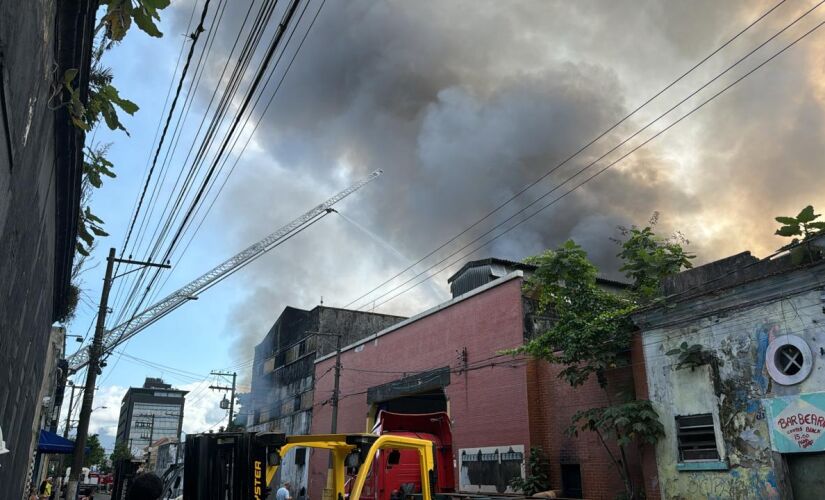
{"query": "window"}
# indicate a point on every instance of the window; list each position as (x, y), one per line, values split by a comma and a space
(789, 359)
(300, 456)
(696, 437)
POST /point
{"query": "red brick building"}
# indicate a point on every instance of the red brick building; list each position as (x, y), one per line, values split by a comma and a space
(449, 358)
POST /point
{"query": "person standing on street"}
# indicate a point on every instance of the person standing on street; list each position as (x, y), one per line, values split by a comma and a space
(46, 489)
(283, 492)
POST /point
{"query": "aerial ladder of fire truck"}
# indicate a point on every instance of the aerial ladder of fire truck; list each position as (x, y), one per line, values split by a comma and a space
(131, 327)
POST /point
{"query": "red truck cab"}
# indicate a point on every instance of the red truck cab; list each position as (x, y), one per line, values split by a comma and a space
(396, 474)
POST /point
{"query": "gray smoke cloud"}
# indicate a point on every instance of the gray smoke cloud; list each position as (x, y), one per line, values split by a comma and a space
(463, 103)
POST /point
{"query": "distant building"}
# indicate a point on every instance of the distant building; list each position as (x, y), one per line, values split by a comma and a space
(150, 413)
(51, 397)
(283, 374)
(161, 454)
(745, 417)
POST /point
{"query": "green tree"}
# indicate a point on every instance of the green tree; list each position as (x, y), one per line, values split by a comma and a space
(591, 331)
(95, 455)
(121, 452)
(537, 479)
(102, 103)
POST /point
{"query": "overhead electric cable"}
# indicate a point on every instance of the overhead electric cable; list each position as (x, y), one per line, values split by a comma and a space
(573, 155)
(195, 37)
(525, 208)
(249, 136)
(258, 77)
(599, 172)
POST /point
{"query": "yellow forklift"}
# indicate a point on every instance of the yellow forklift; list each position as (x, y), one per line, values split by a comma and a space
(241, 465)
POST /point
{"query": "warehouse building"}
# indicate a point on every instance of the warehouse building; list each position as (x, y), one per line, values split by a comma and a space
(449, 358)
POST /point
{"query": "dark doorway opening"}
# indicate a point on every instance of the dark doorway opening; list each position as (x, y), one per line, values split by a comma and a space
(571, 480)
(425, 402)
(806, 475)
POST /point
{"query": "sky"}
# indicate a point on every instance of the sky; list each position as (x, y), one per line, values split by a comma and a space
(462, 104)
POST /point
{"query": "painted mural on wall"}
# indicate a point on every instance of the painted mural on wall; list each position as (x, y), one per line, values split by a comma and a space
(797, 423)
(490, 469)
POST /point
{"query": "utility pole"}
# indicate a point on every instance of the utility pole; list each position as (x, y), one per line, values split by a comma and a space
(337, 384)
(69, 413)
(94, 369)
(231, 390)
(337, 381)
(336, 391)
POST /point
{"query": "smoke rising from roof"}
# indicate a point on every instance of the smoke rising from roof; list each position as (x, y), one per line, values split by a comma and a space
(463, 103)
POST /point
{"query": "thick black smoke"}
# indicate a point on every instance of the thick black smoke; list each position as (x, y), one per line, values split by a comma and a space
(463, 103)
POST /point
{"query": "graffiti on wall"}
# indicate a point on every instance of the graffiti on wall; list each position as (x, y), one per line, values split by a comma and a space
(797, 422)
(750, 484)
(490, 469)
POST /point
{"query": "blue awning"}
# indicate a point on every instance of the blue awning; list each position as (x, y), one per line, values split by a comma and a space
(52, 443)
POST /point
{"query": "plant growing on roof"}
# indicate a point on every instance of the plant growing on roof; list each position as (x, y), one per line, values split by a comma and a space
(806, 226)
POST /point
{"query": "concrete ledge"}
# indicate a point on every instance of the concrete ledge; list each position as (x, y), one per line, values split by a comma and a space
(709, 465)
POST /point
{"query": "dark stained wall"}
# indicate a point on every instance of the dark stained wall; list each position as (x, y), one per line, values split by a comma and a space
(40, 174)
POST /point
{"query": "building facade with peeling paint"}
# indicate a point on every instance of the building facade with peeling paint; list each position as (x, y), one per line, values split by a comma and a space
(744, 412)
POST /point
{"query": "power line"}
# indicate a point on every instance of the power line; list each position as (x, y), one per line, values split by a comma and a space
(195, 36)
(254, 129)
(599, 172)
(572, 156)
(160, 118)
(224, 143)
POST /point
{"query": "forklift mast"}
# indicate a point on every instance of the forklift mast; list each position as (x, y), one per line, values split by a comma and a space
(228, 465)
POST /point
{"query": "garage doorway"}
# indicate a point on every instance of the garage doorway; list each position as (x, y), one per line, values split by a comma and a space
(424, 402)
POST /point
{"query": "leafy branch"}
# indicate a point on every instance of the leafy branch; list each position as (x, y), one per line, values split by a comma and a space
(537, 479)
(806, 226)
(121, 13)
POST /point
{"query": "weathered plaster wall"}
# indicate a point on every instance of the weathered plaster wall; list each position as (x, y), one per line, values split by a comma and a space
(732, 389)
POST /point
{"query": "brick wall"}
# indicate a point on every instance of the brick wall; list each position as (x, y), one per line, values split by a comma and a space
(552, 405)
(488, 405)
(514, 402)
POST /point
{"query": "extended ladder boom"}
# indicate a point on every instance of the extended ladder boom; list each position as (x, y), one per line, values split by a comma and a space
(124, 331)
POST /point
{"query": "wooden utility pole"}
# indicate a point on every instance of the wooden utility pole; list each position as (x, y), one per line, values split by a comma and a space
(94, 369)
(231, 390)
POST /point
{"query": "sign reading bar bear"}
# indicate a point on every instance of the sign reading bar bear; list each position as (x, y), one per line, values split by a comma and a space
(797, 423)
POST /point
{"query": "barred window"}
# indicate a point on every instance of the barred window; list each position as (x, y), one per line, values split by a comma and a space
(696, 437)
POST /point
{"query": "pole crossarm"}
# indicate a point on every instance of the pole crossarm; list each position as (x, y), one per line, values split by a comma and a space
(128, 329)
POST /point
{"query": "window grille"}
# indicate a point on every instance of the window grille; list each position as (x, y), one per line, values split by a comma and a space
(696, 437)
